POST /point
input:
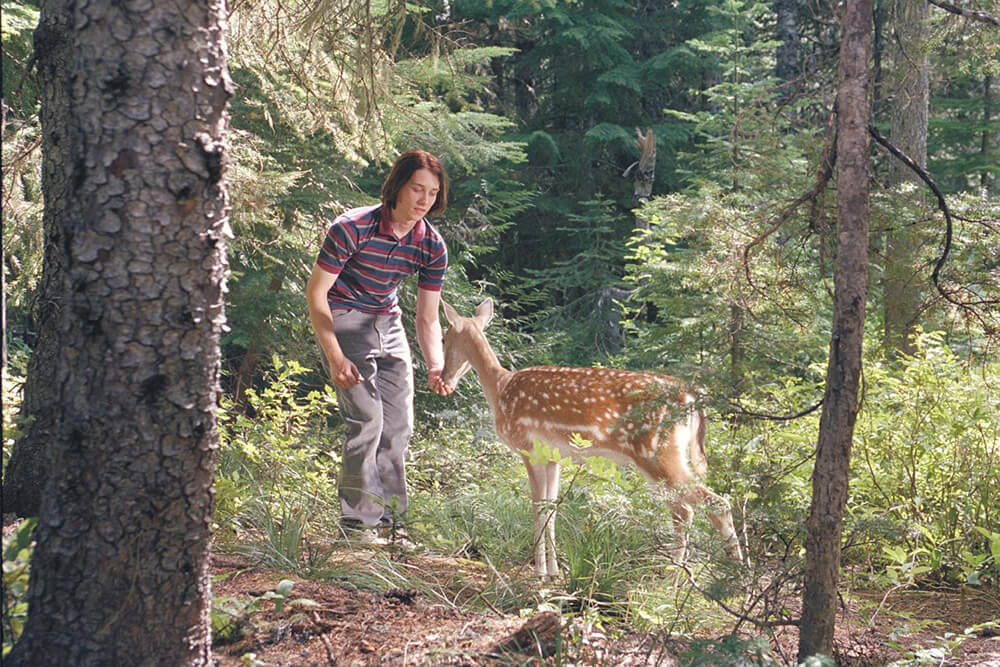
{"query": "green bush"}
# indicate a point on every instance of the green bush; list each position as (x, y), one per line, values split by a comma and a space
(925, 477)
(17, 548)
(926, 473)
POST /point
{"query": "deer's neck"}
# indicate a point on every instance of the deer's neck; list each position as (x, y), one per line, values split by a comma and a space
(491, 374)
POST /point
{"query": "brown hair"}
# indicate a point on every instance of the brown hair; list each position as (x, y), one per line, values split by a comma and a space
(404, 167)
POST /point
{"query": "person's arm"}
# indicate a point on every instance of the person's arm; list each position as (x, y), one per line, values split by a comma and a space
(342, 371)
(429, 338)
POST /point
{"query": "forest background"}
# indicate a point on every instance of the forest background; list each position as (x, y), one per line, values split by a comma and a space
(711, 261)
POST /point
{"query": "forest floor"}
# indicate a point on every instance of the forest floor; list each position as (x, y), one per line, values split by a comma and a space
(343, 626)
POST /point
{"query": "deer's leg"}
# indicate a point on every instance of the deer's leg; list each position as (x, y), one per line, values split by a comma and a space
(682, 515)
(537, 481)
(551, 498)
(721, 516)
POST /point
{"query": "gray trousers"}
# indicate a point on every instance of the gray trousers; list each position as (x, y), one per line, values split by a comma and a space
(379, 417)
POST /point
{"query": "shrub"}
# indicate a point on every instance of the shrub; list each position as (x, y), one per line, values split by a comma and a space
(277, 467)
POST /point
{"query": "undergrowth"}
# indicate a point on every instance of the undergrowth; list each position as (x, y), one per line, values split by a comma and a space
(923, 509)
(469, 501)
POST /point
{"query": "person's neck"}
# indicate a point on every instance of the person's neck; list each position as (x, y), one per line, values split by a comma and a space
(400, 228)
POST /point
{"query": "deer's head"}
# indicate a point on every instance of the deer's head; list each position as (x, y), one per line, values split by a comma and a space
(463, 334)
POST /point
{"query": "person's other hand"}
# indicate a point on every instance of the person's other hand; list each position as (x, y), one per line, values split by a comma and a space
(345, 374)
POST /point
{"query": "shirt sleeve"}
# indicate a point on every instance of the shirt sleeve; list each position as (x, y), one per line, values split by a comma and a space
(340, 244)
(432, 272)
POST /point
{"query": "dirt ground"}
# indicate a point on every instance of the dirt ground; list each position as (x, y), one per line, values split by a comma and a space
(343, 627)
(346, 627)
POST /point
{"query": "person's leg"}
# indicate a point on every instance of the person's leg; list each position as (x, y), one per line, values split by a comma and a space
(395, 387)
(359, 487)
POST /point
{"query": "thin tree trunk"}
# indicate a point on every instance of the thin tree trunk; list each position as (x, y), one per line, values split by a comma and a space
(840, 404)
(788, 65)
(644, 173)
(26, 471)
(737, 350)
(245, 374)
(878, 91)
(990, 140)
(119, 574)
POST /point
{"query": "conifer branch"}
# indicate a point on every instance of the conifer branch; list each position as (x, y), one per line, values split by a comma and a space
(823, 175)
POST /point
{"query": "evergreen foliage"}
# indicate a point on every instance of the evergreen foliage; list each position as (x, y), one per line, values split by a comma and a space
(22, 197)
(20, 91)
(962, 147)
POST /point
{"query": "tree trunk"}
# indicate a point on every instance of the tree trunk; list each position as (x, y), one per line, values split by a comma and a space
(878, 52)
(737, 350)
(245, 375)
(788, 65)
(991, 138)
(910, 96)
(119, 573)
(840, 404)
(26, 471)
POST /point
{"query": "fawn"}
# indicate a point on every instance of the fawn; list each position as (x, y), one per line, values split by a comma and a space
(638, 417)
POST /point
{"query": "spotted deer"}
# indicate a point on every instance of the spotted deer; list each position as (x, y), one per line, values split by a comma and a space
(638, 417)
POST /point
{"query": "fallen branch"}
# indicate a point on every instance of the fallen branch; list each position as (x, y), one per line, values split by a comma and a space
(753, 620)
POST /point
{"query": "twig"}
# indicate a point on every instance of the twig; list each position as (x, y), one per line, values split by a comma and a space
(331, 656)
(759, 622)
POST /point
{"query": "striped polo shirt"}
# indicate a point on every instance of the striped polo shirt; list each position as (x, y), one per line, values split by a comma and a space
(370, 262)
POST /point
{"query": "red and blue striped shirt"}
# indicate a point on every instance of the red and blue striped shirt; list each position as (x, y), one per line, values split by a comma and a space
(370, 261)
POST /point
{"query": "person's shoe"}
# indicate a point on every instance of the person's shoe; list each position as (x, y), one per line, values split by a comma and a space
(358, 534)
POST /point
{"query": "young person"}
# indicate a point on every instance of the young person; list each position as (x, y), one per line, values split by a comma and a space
(357, 319)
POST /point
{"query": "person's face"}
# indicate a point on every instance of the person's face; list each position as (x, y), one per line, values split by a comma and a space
(416, 197)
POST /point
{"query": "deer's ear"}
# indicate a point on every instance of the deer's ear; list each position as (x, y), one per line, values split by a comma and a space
(450, 313)
(484, 313)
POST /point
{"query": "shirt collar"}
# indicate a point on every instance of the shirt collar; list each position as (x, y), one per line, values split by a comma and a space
(416, 234)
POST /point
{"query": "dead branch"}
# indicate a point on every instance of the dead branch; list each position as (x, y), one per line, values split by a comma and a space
(776, 418)
(643, 189)
(758, 622)
(967, 306)
(973, 14)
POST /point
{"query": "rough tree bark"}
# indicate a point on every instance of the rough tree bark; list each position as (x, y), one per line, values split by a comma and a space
(908, 106)
(119, 573)
(840, 402)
